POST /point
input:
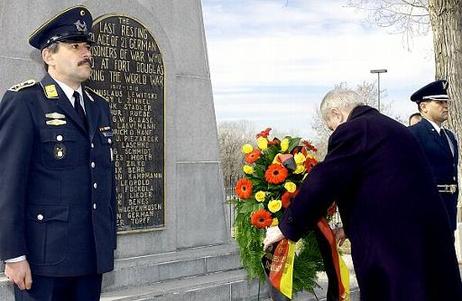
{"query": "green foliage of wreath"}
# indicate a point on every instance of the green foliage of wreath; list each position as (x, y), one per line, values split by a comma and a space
(297, 160)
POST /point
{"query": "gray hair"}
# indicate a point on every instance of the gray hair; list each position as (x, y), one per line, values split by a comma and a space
(342, 99)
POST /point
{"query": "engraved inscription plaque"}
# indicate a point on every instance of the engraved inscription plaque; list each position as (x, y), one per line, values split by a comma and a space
(129, 72)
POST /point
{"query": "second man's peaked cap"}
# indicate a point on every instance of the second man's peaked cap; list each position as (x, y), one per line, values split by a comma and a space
(436, 90)
(73, 25)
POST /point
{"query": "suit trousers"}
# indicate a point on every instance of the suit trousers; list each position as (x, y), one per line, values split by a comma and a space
(81, 288)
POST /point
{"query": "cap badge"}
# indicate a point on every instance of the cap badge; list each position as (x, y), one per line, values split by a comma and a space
(80, 25)
(445, 85)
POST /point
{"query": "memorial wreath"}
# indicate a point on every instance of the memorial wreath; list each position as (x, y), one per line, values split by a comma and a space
(273, 172)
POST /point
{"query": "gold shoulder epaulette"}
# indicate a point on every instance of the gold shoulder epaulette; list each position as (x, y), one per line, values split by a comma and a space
(26, 84)
(96, 93)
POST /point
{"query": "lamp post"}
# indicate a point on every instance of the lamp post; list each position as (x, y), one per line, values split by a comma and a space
(378, 71)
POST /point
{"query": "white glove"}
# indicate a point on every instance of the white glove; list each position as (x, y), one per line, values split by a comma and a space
(273, 235)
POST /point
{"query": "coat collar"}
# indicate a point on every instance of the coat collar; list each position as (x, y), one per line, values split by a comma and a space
(361, 110)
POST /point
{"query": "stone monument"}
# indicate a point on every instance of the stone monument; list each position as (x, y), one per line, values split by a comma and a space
(151, 64)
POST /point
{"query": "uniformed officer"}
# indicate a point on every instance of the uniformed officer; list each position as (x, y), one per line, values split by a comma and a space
(57, 189)
(438, 143)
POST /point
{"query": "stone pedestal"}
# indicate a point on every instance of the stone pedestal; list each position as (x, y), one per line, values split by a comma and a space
(195, 240)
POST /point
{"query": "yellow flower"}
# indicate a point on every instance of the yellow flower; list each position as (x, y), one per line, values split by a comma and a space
(284, 144)
(248, 169)
(262, 143)
(274, 206)
(247, 148)
(275, 222)
(299, 158)
(300, 169)
(260, 196)
(290, 186)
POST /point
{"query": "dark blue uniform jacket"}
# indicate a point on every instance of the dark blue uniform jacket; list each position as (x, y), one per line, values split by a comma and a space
(57, 190)
(442, 163)
(401, 242)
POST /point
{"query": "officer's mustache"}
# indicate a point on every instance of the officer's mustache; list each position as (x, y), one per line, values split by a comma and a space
(86, 61)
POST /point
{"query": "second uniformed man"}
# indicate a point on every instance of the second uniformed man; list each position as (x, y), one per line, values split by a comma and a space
(439, 144)
(57, 190)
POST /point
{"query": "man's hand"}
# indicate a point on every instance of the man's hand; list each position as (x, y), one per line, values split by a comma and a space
(273, 235)
(19, 273)
(340, 236)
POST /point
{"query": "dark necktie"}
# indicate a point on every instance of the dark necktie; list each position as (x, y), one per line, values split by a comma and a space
(444, 140)
(78, 108)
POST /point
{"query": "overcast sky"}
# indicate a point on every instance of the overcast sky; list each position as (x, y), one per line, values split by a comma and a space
(272, 61)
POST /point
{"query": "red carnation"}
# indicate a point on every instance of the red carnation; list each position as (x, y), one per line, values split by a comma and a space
(310, 162)
(264, 133)
(310, 146)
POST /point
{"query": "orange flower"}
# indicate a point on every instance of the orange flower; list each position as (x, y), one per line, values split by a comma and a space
(261, 219)
(309, 163)
(276, 174)
(264, 133)
(244, 188)
(253, 156)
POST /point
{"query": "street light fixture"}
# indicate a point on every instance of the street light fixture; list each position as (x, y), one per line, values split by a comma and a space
(378, 71)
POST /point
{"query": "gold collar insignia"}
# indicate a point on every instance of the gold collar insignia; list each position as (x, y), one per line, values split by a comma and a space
(51, 92)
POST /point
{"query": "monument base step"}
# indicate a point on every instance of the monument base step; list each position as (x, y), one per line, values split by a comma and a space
(218, 286)
(149, 269)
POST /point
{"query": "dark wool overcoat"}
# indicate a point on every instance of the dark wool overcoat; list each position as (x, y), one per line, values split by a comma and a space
(401, 241)
(57, 189)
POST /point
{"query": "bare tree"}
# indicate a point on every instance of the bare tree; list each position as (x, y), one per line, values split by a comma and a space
(231, 136)
(408, 17)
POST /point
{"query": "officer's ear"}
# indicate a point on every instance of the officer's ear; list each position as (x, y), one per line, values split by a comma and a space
(422, 106)
(47, 54)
